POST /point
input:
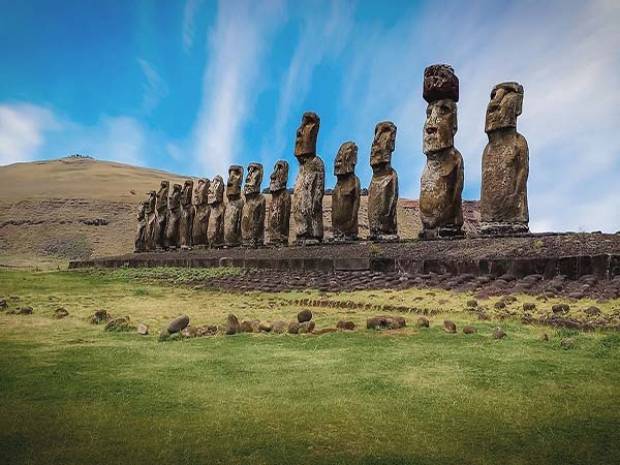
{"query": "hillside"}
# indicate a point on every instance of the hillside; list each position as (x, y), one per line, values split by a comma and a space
(77, 207)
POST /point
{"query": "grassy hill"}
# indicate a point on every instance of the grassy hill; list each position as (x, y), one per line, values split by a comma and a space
(51, 211)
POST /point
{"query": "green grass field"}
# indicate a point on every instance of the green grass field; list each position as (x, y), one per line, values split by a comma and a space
(71, 393)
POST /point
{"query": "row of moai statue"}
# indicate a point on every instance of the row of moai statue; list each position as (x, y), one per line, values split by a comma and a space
(198, 216)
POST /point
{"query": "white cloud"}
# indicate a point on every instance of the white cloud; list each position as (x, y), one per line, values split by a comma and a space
(155, 88)
(189, 22)
(231, 80)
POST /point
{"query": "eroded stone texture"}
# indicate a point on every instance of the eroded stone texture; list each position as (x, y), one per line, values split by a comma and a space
(234, 207)
(383, 190)
(441, 185)
(346, 194)
(310, 184)
(141, 230)
(253, 214)
(201, 213)
(280, 207)
(187, 215)
(215, 199)
(151, 220)
(505, 165)
(161, 214)
(174, 217)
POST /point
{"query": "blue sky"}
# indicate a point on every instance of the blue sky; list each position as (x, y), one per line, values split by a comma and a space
(193, 86)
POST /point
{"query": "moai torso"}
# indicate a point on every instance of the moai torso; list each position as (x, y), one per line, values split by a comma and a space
(174, 217)
(140, 240)
(346, 194)
(215, 229)
(280, 206)
(161, 213)
(441, 185)
(187, 215)
(151, 222)
(310, 184)
(253, 214)
(505, 165)
(383, 190)
(234, 207)
(201, 213)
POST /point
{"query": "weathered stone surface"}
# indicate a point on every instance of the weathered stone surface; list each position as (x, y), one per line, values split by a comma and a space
(264, 327)
(383, 190)
(293, 327)
(140, 242)
(143, 329)
(505, 165)
(178, 324)
(320, 332)
(472, 303)
(469, 330)
(246, 326)
(206, 330)
(423, 322)
(592, 311)
(449, 326)
(304, 315)
(306, 327)
(279, 327)
(150, 218)
(174, 217)
(3, 304)
(201, 213)
(499, 333)
(21, 311)
(385, 322)
(253, 213)
(232, 325)
(560, 308)
(161, 214)
(529, 306)
(186, 220)
(189, 331)
(99, 317)
(346, 194)
(215, 230)
(441, 185)
(234, 207)
(60, 313)
(307, 205)
(346, 325)
(118, 324)
(280, 207)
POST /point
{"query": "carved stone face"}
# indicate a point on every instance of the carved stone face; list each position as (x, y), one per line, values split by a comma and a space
(346, 159)
(279, 177)
(186, 195)
(505, 105)
(440, 83)
(235, 178)
(383, 144)
(216, 191)
(201, 192)
(253, 179)
(440, 126)
(164, 185)
(305, 141)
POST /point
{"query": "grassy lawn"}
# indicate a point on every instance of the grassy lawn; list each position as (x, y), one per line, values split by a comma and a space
(71, 393)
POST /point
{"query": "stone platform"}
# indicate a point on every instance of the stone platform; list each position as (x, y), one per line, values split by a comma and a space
(572, 255)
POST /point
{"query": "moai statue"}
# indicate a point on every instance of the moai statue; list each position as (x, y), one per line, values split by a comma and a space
(253, 215)
(383, 190)
(215, 199)
(174, 217)
(151, 221)
(234, 207)
(187, 215)
(280, 207)
(441, 185)
(310, 184)
(505, 165)
(161, 213)
(201, 213)
(346, 194)
(141, 231)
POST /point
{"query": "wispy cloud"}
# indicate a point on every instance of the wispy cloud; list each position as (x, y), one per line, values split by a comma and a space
(189, 23)
(231, 80)
(154, 87)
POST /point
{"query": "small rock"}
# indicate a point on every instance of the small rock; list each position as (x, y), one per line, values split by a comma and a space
(346, 325)
(560, 308)
(189, 331)
(469, 330)
(449, 327)
(245, 326)
(423, 322)
(500, 305)
(293, 327)
(3, 304)
(498, 333)
(21, 311)
(164, 335)
(60, 313)
(99, 317)
(143, 329)
(118, 324)
(483, 316)
(529, 306)
(264, 327)
(206, 330)
(567, 343)
(544, 337)
(178, 324)
(508, 299)
(592, 311)
(322, 331)
(232, 325)
(304, 315)
(472, 303)
(306, 327)
(279, 327)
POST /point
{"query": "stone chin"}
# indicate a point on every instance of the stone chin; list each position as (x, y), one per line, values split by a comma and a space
(433, 144)
(497, 121)
(380, 158)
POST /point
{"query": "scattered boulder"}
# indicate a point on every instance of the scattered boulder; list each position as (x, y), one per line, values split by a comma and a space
(385, 322)
(592, 311)
(306, 327)
(472, 303)
(279, 327)
(304, 315)
(143, 329)
(21, 311)
(500, 305)
(483, 316)
(560, 308)
(449, 326)
(99, 316)
(60, 313)
(3, 304)
(264, 327)
(206, 330)
(232, 325)
(245, 326)
(567, 343)
(529, 306)
(293, 327)
(423, 322)
(118, 324)
(469, 330)
(346, 325)
(189, 331)
(178, 324)
(498, 333)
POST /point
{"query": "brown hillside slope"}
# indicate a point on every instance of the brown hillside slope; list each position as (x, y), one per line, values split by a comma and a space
(49, 210)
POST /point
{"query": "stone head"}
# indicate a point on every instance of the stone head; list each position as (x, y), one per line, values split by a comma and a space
(201, 192)
(186, 195)
(142, 209)
(305, 140)
(254, 179)
(164, 185)
(235, 178)
(505, 105)
(383, 144)
(151, 201)
(440, 126)
(440, 83)
(346, 159)
(216, 191)
(279, 177)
